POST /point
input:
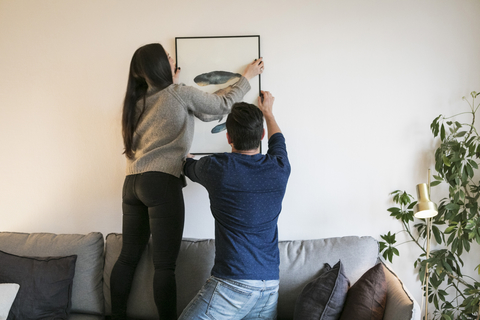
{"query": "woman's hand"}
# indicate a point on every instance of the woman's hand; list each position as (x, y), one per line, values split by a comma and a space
(254, 69)
(176, 76)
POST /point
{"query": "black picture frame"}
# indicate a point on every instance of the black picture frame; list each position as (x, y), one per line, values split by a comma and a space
(199, 55)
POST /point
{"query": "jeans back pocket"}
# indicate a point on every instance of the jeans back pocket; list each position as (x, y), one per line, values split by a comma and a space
(229, 302)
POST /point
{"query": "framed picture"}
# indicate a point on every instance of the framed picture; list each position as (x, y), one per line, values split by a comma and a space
(223, 59)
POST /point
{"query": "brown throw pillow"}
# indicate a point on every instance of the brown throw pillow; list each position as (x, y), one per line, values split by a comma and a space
(367, 298)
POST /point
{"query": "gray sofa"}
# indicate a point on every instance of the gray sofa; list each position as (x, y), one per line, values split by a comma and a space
(300, 262)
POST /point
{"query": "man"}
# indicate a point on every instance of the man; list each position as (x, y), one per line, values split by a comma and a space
(246, 190)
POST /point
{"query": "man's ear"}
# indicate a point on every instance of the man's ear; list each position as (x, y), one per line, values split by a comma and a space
(263, 134)
(229, 140)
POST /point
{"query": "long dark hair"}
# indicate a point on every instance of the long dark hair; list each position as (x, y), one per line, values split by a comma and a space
(149, 67)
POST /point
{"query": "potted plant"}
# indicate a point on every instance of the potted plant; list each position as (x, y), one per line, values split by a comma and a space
(454, 294)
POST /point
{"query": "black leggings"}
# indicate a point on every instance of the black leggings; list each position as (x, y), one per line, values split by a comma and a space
(152, 204)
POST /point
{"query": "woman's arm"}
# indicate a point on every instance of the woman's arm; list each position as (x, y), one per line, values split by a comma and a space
(219, 103)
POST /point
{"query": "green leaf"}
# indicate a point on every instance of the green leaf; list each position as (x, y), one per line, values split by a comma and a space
(451, 239)
(442, 133)
(383, 245)
(469, 170)
(385, 256)
(405, 198)
(447, 266)
(450, 229)
(389, 238)
(411, 205)
(446, 161)
(452, 207)
(473, 164)
(470, 224)
(466, 245)
(436, 233)
(435, 183)
(395, 251)
(439, 269)
(394, 210)
(434, 126)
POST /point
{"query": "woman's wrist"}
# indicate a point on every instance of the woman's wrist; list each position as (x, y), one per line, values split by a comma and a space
(247, 76)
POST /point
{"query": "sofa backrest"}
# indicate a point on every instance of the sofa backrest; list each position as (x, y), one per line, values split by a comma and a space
(194, 264)
(87, 291)
(300, 262)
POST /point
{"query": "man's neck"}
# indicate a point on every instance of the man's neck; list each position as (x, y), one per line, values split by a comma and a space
(247, 152)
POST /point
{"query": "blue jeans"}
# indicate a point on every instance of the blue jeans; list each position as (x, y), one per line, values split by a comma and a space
(221, 299)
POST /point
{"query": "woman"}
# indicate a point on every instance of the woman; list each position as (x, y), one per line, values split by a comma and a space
(157, 127)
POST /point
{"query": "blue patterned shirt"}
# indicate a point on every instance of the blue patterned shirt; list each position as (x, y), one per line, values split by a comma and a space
(246, 193)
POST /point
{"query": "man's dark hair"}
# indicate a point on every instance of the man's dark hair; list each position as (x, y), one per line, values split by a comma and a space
(245, 126)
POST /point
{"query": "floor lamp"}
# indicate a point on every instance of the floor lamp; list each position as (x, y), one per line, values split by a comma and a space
(425, 209)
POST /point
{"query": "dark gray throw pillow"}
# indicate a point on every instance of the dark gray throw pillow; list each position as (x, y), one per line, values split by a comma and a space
(45, 285)
(324, 297)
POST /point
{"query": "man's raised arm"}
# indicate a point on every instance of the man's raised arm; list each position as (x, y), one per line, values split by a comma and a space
(265, 104)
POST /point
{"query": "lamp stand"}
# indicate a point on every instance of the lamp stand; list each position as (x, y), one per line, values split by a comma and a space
(427, 273)
(425, 209)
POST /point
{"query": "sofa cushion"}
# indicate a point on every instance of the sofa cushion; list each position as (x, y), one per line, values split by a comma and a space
(87, 294)
(8, 292)
(367, 298)
(302, 260)
(194, 264)
(324, 297)
(140, 303)
(45, 285)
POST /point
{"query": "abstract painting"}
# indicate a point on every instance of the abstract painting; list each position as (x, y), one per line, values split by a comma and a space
(210, 64)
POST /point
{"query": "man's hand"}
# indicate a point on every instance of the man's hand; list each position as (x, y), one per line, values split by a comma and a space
(254, 69)
(265, 103)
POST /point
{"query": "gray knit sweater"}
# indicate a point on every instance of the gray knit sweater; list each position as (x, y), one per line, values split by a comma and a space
(164, 133)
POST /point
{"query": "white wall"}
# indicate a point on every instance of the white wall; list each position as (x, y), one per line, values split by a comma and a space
(357, 84)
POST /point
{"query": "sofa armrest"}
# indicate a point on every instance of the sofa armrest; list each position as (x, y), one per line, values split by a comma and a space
(400, 303)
